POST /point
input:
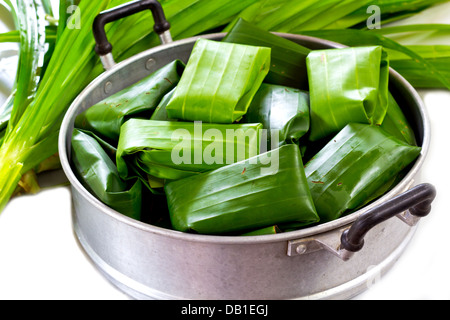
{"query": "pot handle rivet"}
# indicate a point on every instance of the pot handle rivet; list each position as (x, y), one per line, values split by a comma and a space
(301, 249)
(108, 87)
(150, 63)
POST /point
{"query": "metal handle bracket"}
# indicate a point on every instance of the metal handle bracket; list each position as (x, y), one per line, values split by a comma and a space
(409, 206)
(104, 48)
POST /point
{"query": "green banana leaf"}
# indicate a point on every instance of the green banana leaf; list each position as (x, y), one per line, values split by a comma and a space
(353, 166)
(396, 123)
(219, 82)
(98, 173)
(347, 85)
(281, 110)
(173, 150)
(160, 112)
(288, 59)
(429, 72)
(138, 100)
(243, 196)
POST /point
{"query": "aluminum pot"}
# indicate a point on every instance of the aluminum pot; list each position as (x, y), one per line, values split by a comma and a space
(328, 261)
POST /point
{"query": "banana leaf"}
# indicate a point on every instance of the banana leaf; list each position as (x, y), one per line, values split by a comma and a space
(353, 166)
(281, 109)
(347, 85)
(138, 100)
(396, 123)
(288, 59)
(219, 82)
(429, 72)
(243, 196)
(171, 150)
(98, 173)
(160, 112)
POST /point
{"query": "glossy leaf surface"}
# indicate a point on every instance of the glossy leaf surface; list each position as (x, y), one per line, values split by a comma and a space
(347, 85)
(281, 109)
(219, 82)
(353, 166)
(243, 195)
(98, 173)
(138, 100)
(173, 150)
(288, 59)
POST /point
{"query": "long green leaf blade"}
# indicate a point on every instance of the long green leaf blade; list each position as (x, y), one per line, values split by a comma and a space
(32, 50)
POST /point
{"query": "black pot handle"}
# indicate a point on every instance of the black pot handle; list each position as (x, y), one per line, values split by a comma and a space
(417, 200)
(103, 46)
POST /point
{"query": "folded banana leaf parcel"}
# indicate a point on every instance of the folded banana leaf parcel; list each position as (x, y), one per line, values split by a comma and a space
(138, 100)
(259, 192)
(96, 169)
(219, 82)
(157, 151)
(282, 111)
(353, 166)
(347, 85)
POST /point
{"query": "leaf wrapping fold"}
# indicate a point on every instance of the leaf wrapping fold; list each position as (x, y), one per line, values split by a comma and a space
(288, 59)
(396, 123)
(281, 109)
(219, 82)
(353, 166)
(347, 85)
(98, 173)
(138, 100)
(243, 196)
(173, 150)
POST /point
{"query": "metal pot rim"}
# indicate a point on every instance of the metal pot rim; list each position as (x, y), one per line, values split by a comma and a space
(64, 142)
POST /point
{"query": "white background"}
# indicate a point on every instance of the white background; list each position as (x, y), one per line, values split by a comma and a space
(40, 257)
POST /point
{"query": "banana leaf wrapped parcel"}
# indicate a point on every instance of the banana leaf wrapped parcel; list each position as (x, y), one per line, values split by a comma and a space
(138, 100)
(287, 60)
(171, 150)
(255, 193)
(347, 85)
(219, 82)
(396, 123)
(282, 111)
(98, 173)
(353, 166)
